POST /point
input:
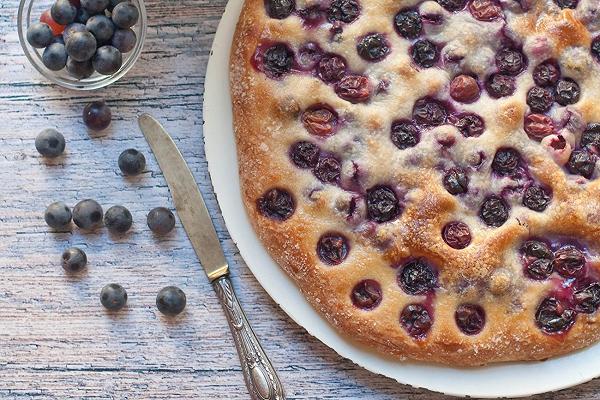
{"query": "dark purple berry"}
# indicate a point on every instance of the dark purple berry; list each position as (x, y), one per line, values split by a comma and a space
(113, 297)
(568, 261)
(50, 143)
(537, 249)
(424, 53)
(171, 301)
(553, 317)
(453, 5)
(80, 70)
(87, 214)
(124, 40)
(546, 74)
(63, 12)
(132, 162)
(58, 215)
(457, 235)
(499, 85)
(470, 318)
(118, 219)
(596, 48)
(510, 61)
(328, 170)
(107, 60)
(382, 204)
(582, 162)
(354, 88)
(538, 126)
(74, 259)
(469, 125)
(567, 92)
(332, 248)
(331, 68)
(417, 277)
(485, 10)
(404, 134)
(71, 29)
(304, 154)
(101, 27)
(536, 198)
(373, 47)
(367, 294)
(125, 15)
(506, 161)
(408, 24)
(587, 299)
(82, 16)
(55, 57)
(343, 10)
(591, 138)
(81, 46)
(319, 120)
(539, 99)
(39, 35)
(277, 204)
(429, 112)
(278, 60)
(95, 6)
(566, 3)
(97, 115)
(539, 269)
(280, 9)
(415, 319)
(494, 211)
(161, 220)
(456, 181)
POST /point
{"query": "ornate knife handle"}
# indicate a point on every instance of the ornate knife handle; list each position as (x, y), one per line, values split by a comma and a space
(259, 374)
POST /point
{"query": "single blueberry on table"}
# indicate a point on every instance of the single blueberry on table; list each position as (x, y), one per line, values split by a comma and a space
(470, 318)
(280, 9)
(125, 15)
(107, 60)
(95, 6)
(58, 215)
(97, 115)
(343, 10)
(113, 297)
(80, 70)
(87, 214)
(55, 57)
(71, 29)
(50, 143)
(408, 24)
(536, 198)
(382, 204)
(101, 27)
(39, 35)
(74, 259)
(132, 162)
(404, 134)
(160, 220)
(277, 204)
(552, 316)
(81, 46)
(367, 294)
(567, 92)
(118, 219)
(171, 300)
(124, 40)
(373, 47)
(415, 319)
(333, 248)
(494, 211)
(416, 277)
(424, 53)
(63, 12)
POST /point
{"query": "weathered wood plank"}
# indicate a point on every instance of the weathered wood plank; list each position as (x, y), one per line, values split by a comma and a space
(56, 341)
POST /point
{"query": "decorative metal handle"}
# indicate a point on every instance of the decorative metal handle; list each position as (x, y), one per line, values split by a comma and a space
(259, 374)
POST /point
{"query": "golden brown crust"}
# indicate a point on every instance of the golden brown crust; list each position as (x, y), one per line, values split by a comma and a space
(488, 272)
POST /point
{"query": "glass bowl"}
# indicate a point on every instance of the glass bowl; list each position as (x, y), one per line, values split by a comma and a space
(30, 12)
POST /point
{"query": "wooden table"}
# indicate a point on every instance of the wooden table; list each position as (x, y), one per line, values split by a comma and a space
(56, 341)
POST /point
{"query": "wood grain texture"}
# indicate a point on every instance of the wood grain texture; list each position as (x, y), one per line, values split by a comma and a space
(56, 341)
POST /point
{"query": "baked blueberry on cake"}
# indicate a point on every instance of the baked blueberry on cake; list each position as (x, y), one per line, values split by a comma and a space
(426, 170)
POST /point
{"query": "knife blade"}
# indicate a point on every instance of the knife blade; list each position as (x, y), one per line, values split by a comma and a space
(187, 198)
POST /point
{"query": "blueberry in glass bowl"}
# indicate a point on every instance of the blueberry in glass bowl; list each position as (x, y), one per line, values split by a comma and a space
(86, 49)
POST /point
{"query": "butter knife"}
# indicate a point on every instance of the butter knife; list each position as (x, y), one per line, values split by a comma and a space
(260, 376)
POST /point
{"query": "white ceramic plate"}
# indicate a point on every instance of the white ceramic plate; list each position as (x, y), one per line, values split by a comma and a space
(505, 380)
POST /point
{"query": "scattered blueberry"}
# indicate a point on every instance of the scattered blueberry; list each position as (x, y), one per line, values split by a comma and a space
(499, 85)
(113, 297)
(50, 143)
(125, 15)
(587, 299)
(63, 12)
(95, 6)
(124, 40)
(373, 47)
(404, 134)
(582, 162)
(469, 125)
(328, 170)
(567, 92)
(553, 317)
(566, 3)
(74, 259)
(539, 99)
(87, 214)
(382, 204)
(171, 300)
(331, 68)
(81, 46)
(568, 261)
(456, 181)
(546, 74)
(453, 5)
(58, 215)
(280, 9)
(470, 318)
(161, 220)
(457, 235)
(416, 320)
(354, 88)
(333, 248)
(536, 198)
(429, 112)
(39, 35)
(494, 211)
(408, 24)
(343, 10)
(118, 219)
(424, 53)
(510, 61)
(304, 154)
(132, 162)
(537, 249)
(590, 138)
(416, 277)
(277, 204)
(539, 269)
(366, 294)
(71, 29)
(107, 60)
(55, 57)
(506, 161)
(80, 70)
(101, 27)
(97, 115)
(278, 60)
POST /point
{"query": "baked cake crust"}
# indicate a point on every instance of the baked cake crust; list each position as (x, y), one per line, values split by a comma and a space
(506, 318)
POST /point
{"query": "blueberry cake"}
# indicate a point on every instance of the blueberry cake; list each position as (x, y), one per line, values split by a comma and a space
(425, 171)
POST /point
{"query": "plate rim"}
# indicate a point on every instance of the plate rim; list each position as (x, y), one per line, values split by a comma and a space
(216, 92)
